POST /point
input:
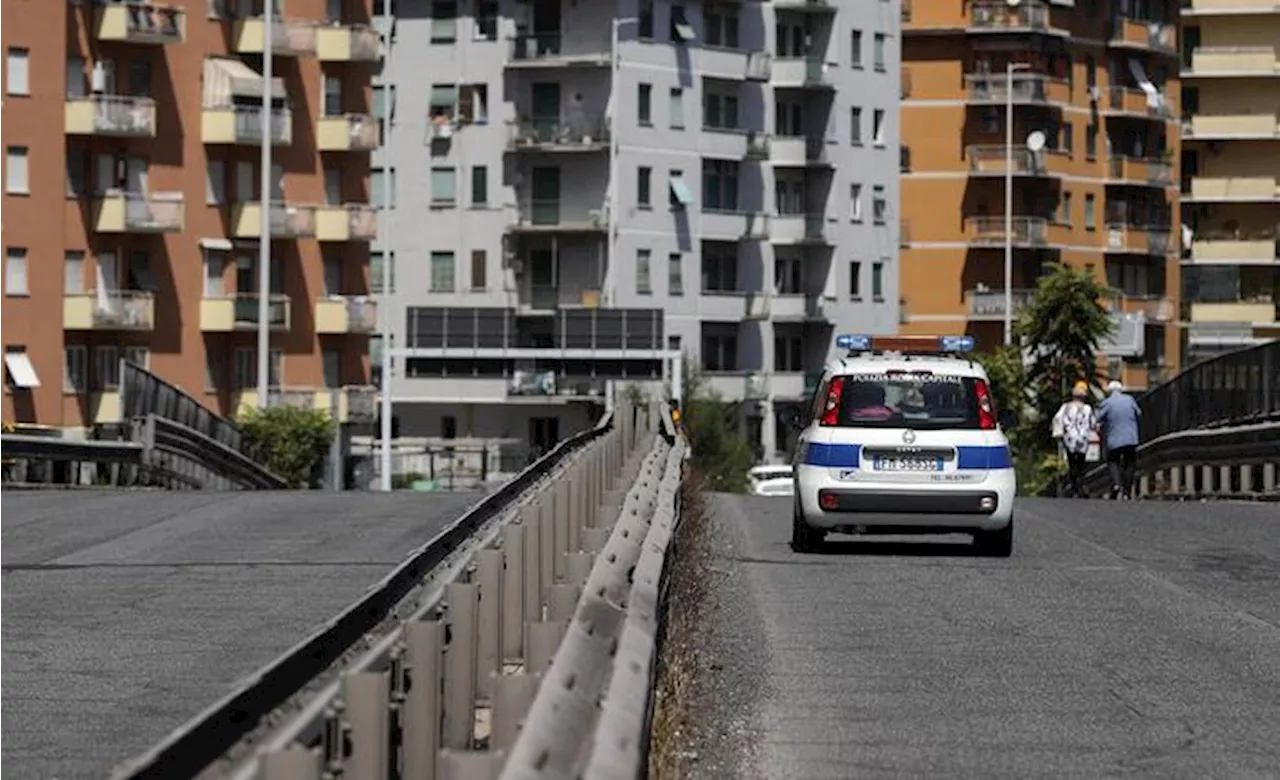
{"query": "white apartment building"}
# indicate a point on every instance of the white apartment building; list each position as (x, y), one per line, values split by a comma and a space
(582, 189)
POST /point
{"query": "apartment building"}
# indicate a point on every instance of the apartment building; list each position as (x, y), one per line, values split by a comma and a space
(583, 191)
(132, 213)
(1230, 173)
(1094, 146)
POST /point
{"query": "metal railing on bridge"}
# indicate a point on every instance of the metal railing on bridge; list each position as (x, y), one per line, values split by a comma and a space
(1236, 388)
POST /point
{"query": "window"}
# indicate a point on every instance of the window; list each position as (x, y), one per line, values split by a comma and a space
(681, 30)
(215, 267)
(75, 77)
(1065, 205)
(479, 260)
(139, 78)
(855, 280)
(486, 20)
(332, 186)
(19, 78)
(855, 48)
(1090, 219)
(444, 186)
(382, 270)
(332, 265)
(644, 107)
(788, 275)
(855, 202)
(76, 161)
(106, 367)
(677, 108)
(444, 21)
(877, 127)
(1091, 141)
(720, 347)
(644, 281)
(788, 352)
(73, 272)
(719, 267)
(384, 106)
(878, 56)
(720, 185)
(675, 274)
(215, 370)
(75, 360)
(15, 271)
(879, 207)
(645, 22)
(1091, 72)
(1068, 143)
(444, 103)
(442, 272)
(379, 180)
(139, 356)
(15, 164)
(719, 111)
(246, 368)
(215, 182)
(644, 186)
(473, 103)
(479, 185)
(720, 22)
(681, 195)
(877, 281)
(855, 126)
(331, 367)
(331, 100)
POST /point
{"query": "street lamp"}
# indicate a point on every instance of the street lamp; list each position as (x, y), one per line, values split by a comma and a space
(264, 198)
(388, 260)
(1008, 197)
(615, 101)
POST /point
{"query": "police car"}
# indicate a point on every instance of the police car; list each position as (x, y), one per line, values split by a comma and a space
(903, 437)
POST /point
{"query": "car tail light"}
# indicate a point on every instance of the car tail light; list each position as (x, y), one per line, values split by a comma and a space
(828, 501)
(831, 410)
(986, 407)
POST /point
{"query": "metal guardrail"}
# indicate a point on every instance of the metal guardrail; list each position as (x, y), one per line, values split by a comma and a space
(143, 393)
(394, 680)
(1235, 388)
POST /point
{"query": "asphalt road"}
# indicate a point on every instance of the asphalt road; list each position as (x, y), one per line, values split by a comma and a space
(1136, 639)
(125, 614)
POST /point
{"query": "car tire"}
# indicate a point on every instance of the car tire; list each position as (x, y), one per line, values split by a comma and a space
(995, 544)
(804, 537)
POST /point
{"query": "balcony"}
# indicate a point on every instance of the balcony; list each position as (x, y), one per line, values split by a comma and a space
(1229, 61)
(348, 43)
(1126, 101)
(733, 225)
(1258, 312)
(1204, 127)
(115, 116)
(798, 150)
(242, 125)
(287, 221)
(738, 385)
(550, 298)
(1229, 7)
(990, 231)
(798, 229)
(806, 6)
(1242, 189)
(347, 222)
(338, 314)
(351, 403)
(239, 311)
(139, 22)
(556, 216)
(289, 37)
(556, 136)
(1153, 308)
(347, 133)
(993, 161)
(1028, 88)
(1143, 34)
(800, 72)
(1123, 238)
(556, 50)
(110, 310)
(801, 307)
(759, 66)
(1235, 251)
(1001, 17)
(1140, 171)
(138, 212)
(989, 305)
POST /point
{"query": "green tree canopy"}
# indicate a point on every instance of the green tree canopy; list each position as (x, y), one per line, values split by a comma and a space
(720, 453)
(291, 442)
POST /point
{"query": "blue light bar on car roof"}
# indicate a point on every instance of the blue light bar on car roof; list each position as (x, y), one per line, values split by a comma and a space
(916, 344)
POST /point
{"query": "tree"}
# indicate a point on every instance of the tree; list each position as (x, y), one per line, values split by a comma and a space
(720, 453)
(291, 442)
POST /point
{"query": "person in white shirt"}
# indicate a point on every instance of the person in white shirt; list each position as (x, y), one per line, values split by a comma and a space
(1072, 426)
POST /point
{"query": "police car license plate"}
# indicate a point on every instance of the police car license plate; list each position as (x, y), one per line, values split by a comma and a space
(906, 463)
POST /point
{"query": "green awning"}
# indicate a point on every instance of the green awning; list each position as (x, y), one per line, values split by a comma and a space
(444, 97)
(681, 191)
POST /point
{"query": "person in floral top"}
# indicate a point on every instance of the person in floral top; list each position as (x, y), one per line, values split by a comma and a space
(1072, 425)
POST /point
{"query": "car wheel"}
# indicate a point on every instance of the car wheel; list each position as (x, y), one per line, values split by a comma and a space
(996, 544)
(804, 537)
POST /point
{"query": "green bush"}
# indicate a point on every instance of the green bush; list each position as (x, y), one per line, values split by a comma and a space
(720, 453)
(291, 442)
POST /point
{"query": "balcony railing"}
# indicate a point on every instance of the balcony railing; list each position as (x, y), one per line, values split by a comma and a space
(800, 71)
(1225, 126)
(286, 220)
(348, 222)
(1027, 88)
(1232, 249)
(348, 43)
(138, 212)
(990, 231)
(1229, 60)
(336, 314)
(289, 37)
(347, 133)
(733, 225)
(1140, 170)
(999, 16)
(992, 160)
(544, 214)
(1127, 100)
(239, 311)
(1257, 309)
(1237, 188)
(111, 115)
(560, 48)
(1157, 36)
(1153, 308)
(555, 135)
(228, 124)
(982, 304)
(790, 227)
(109, 310)
(1151, 240)
(140, 22)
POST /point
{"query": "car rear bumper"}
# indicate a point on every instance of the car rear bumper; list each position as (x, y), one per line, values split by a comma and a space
(852, 507)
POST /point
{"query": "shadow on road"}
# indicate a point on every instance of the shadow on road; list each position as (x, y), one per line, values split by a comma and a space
(894, 547)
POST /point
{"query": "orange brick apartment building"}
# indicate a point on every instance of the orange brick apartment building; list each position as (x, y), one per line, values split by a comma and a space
(132, 137)
(1100, 79)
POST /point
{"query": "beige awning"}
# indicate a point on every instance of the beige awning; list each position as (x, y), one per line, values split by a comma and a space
(227, 78)
(21, 372)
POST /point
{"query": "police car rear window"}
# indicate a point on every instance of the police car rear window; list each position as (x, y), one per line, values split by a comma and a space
(918, 400)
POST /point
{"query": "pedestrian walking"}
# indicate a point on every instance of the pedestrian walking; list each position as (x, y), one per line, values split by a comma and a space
(1118, 417)
(1072, 426)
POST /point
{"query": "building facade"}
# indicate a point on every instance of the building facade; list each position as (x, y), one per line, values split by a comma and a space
(132, 211)
(584, 190)
(1230, 173)
(1091, 171)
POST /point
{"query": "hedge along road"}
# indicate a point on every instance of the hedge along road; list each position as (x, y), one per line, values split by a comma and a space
(1121, 638)
(125, 614)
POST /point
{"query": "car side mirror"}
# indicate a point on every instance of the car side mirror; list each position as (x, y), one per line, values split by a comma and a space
(791, 418)
(1007, 419)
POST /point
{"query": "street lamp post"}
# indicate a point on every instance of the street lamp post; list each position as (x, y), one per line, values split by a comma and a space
(264, 206)
(384, 237)
(615, 101)
(1008, 198)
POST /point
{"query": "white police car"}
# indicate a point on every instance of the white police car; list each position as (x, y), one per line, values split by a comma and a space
(902, 437)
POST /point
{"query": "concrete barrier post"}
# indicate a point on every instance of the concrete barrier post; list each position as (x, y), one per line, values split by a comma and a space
(532, 589)
(1206, 480)
(1268, 477)
(460, 665)
(424, 656)
(1224, 479)
(560, 509)
(512, 591)
(368, 715)
(293, 763)
(1144, 485)
(1189, 477)
(543, 638)
(512, 695)
(1175, 481)
(1246, 478)
(546, 541)
(594, 539)
(577, 567)
(489, 656)
(562, 600)
(469, 765)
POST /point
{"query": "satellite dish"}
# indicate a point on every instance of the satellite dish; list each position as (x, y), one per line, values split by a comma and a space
(1013, 3)
(1036, 141)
